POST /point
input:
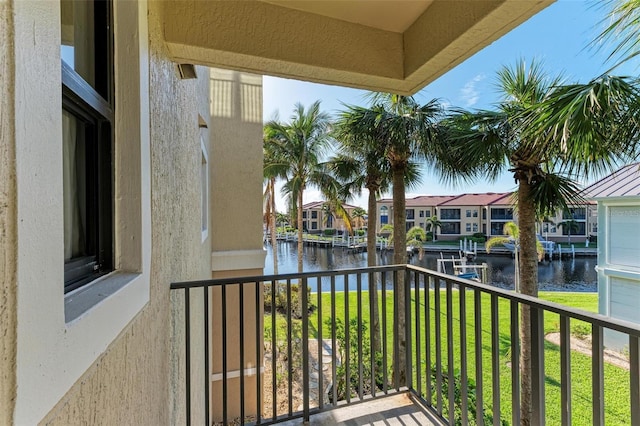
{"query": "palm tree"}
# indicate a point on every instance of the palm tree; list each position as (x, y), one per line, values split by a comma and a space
(622, 28)
(404, 131)
(512, 236)
(300, 146)
(358, 215)
(416, 236)
(272, 170)
(433, 223)
(486, 143)
(570, 225)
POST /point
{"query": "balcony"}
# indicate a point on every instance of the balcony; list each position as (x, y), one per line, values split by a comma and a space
(325, 367)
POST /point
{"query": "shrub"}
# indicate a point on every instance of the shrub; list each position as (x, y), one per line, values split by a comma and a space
(471, 399)
(360, 232)
(354, 378)
(281, 303)
(329, 232)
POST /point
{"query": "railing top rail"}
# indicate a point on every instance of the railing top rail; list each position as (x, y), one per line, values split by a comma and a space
(579, 314)
(590, 317)
(284, 277)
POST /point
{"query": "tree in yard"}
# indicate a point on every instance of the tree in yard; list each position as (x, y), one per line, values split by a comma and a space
(300, 147)
(533, 133)
(358, 215)
(571, 226)
(272, 170)
(433, 223)
(371, 148)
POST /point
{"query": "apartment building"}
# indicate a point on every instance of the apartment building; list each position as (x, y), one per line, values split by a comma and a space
(317, 217)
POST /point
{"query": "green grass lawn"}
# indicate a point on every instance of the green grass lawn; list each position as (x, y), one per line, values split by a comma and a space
(616, 379)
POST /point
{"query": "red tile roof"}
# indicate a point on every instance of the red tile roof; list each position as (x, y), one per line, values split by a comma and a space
(476, 199)
(428, 200)
(621, 183)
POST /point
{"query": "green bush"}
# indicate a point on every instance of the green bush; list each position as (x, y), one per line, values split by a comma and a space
(281, 303)
(354, 378)
(471, 399)
(329, 232)
(361, 232)
(430, 236)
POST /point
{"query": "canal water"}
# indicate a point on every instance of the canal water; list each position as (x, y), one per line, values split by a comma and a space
(553, 275)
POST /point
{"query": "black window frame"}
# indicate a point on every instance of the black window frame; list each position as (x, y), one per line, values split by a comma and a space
(94, 107)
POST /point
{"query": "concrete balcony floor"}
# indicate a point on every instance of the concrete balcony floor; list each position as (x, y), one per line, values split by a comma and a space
(399, 409)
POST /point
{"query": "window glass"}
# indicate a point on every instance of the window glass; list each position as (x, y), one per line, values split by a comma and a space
(449, 214)
(450, 228)
(87, 123)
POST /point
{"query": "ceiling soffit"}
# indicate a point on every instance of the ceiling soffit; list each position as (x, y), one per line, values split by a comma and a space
(335, 42)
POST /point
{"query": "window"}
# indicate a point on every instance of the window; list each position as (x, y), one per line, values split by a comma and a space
(475, 227)
(468, 213)
(427, 213)
(204, 189)
(314, 214)
(484, 214)
(384, 215)
(577, 213)
(450, 214)
(450, 228)
(468, 227)
(87, 125)
(548, 228)
(497, 228)
(475, 213)
(580, 229)
(410, 214)
(304, 215)
(421, 213)
(314, 225)
(501, 214)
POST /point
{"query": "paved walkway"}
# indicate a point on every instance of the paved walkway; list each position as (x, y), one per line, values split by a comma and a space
(400, 410)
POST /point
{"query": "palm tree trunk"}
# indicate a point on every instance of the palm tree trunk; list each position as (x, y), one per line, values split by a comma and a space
(272, 219)
(298, 307)
(400, 258)
(528, 285)
(371, 262)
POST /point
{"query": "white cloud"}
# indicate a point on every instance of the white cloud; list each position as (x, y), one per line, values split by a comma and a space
(469, 93)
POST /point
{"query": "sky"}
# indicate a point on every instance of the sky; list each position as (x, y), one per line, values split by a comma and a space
(560, 37)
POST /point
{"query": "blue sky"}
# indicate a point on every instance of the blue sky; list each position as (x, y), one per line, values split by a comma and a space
(558, 36)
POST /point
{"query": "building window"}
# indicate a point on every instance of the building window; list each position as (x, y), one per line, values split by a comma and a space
(204, 189)
(421, 213)
(475, 213)
(449, 214)
(468, 213)
(314, 225)
(304, 215)
(87, 125)
(577, 213)
(548, 228)
(314, 214)
(384, 215)
(450, 228)
(581, 229)
(427, 213)
(468, 227)
(484, 214)
(475, 227)
(502, 214)
(410, 214)
(497, 228)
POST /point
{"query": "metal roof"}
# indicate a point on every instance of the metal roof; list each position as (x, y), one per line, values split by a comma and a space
(621, 183)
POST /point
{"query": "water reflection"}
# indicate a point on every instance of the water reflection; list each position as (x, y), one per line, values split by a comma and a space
(558, 275)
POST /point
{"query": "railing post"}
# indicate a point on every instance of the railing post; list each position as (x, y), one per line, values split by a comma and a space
(305, 352)
(537, 365)
(407, 329)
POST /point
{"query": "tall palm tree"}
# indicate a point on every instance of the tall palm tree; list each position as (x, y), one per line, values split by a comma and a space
(406, 132)
(622, 28)
(272, 170)
(433, 223)
(569, 225)
(486, 143)
(358, 215)
(384, 140)
(300, 146)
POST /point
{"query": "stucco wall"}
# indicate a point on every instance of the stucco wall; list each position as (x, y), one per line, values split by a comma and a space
(131, 383)
(7, 219)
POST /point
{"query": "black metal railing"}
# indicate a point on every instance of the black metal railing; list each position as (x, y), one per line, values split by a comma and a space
(288, 346)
